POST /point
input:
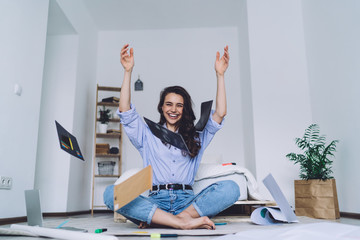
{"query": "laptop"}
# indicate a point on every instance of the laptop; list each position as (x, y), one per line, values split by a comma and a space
(33, 208)
(34, 213)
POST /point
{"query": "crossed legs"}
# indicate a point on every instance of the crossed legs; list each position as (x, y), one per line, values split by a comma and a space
(195, 214)
(187, 219)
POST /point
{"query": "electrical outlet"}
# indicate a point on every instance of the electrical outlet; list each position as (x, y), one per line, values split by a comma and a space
(5, 182)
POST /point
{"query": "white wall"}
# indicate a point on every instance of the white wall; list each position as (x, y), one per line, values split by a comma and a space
(57, 103)
(177, 57)
(68, 97)
(80, 177)
(280, 89)
(22, 46)
(332, 35)
(246, 93)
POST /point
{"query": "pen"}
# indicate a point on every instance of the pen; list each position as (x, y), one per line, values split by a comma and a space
(100, 230)
(158, 235)
(62, 224)
(220, 223)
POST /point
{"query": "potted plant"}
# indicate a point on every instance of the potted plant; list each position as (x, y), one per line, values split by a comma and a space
(315, 194)
(105, 115)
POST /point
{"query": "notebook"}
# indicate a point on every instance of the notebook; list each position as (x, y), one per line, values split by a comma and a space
(268, 215)
(68, 142)
(279, 198)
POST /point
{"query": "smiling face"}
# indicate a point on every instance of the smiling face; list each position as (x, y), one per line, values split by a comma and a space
(172, 110)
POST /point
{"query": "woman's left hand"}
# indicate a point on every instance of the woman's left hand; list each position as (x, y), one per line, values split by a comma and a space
(221, 64)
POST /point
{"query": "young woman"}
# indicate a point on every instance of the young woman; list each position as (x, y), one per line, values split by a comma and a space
(172, 202)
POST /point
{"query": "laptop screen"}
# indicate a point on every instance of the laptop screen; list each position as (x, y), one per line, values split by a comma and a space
(33, 208)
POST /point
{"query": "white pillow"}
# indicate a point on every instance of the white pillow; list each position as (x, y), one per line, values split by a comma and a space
(238, 178)
(211, 171)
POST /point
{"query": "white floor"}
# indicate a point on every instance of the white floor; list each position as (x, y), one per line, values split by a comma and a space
(234, 224)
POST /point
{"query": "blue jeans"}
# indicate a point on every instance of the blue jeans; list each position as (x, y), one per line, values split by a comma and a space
(209, 202)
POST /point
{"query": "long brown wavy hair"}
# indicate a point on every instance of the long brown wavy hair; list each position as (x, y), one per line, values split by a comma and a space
(185, 125)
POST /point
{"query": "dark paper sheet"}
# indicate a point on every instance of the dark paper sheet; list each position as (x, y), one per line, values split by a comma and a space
(166, 135)
(68, 142)
(204, 117)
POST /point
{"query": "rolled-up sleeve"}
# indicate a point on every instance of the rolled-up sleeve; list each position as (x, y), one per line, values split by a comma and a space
(133, 125)
(212, 126)
(128, 116)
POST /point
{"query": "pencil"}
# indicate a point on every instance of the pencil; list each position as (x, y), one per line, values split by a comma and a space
(63, 223)
(158, 235)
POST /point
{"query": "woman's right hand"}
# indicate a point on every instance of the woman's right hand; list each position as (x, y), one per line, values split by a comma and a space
(127, 61)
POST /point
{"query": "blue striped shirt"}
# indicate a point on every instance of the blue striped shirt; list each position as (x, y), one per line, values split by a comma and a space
(167, 162)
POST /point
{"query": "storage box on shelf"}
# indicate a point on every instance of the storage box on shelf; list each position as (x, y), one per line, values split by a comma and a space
(102, 148)
(106, 168)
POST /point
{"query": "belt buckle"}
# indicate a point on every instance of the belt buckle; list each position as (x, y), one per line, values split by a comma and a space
(167, 187)
(157, 188)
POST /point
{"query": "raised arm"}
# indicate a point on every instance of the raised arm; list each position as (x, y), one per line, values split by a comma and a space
(221, 64)
(127, 61)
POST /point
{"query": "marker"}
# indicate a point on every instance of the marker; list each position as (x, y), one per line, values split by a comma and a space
(226, 164)
(100, 230)
(158, 235)
(220, 223)
(62, 224)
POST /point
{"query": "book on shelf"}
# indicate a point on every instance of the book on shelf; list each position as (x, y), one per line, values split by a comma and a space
(111, 100)
(113, 131)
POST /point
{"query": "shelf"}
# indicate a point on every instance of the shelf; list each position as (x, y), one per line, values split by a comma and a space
(111, 120)
(100, 206)
(108, 155)
(113, 89)
(108, 176)
(108, 135)
(108, 104)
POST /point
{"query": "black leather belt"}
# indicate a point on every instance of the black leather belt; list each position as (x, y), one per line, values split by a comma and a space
(171, 187)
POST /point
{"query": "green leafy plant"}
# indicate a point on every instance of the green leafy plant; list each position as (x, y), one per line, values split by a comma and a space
(104, 115)
(315, 162)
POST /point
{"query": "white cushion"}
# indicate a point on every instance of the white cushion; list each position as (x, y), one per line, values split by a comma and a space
(217, 172)
(238, 178)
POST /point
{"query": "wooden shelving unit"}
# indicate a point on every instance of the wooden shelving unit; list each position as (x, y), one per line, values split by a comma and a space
(113, 91)
(105, 176)
(108, 135)
(108, 155)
